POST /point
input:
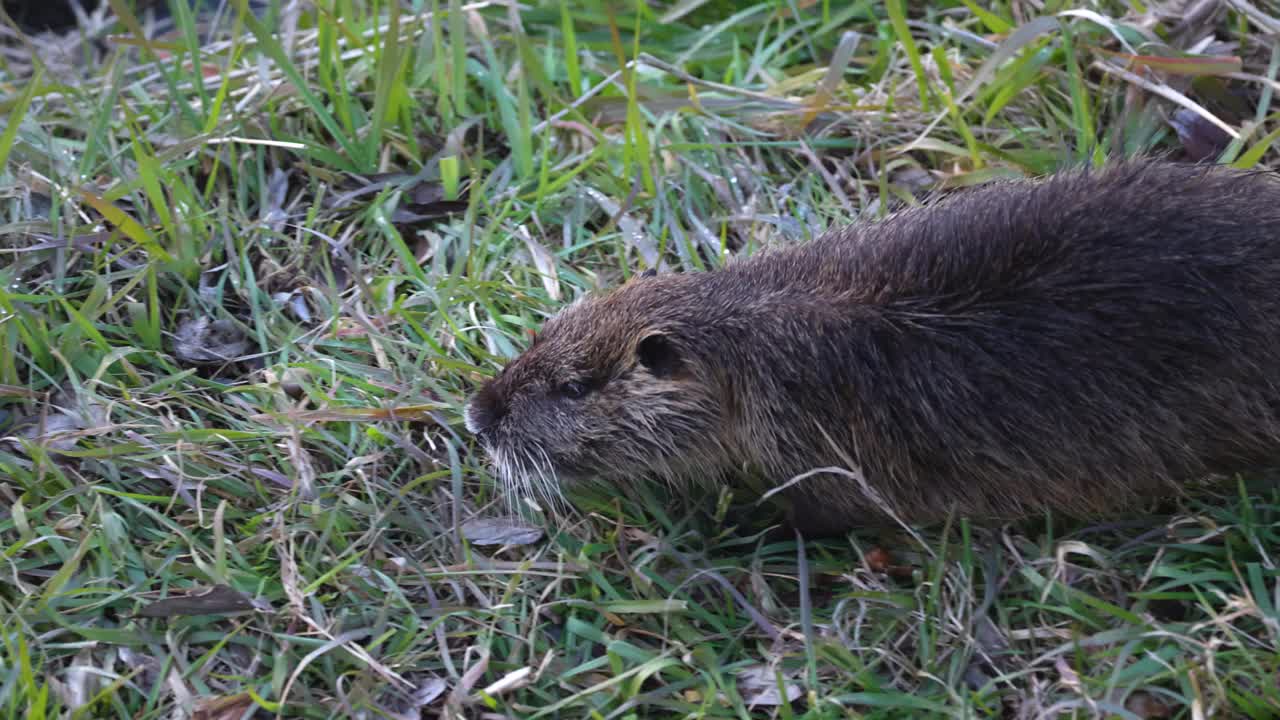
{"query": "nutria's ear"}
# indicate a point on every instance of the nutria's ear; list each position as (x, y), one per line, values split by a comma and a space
(649, 273)
(659, 355)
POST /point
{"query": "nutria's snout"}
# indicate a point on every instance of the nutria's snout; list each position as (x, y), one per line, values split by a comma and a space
(484, 410)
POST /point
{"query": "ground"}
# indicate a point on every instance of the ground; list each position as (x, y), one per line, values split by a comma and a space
(253, 264)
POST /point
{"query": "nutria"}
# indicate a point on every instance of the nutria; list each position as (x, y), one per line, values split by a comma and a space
(1072, 343)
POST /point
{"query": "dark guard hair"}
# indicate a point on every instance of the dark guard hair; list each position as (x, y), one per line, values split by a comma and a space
(1072, 343)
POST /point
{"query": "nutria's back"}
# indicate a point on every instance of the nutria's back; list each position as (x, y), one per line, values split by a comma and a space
(1071, 343)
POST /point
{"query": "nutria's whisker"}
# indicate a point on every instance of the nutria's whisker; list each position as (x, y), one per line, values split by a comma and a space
(550, 487)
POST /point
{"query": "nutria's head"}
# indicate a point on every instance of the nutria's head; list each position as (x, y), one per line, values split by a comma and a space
(611, 388)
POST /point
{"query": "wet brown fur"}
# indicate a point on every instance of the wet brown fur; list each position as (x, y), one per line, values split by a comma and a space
(1073, 343)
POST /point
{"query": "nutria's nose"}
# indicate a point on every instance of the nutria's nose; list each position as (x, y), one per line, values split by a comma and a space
(483, 411)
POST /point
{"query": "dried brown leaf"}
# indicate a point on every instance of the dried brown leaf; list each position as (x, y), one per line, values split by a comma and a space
(421, 200)
(758, 686)
(1201, 139)
(203, 341)
(296, 303)
(1196, 65)
(429, 690)
(227, 707)
(290, 380)
(1147, 706)
(500, 531)
(273, 212)
(403, 704)
(14, 391)
(512, 681)
(403, 413)
(420, 213)
(80, 683)
(56, 431)
(544, 261)
(1066, 675)
(60, 424)
(217, 600)
(633, 231)
(462, 691)
(145, 668)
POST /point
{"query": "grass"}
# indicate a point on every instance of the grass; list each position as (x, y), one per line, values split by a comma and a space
(253, 264)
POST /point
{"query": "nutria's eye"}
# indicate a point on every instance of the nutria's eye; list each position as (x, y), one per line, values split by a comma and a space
(573, 390)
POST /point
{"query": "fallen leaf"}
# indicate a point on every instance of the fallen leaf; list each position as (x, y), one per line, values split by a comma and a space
(989, 636)
(217, 600)
(290, 380)
(227, 707)
(1201, 139)
(1191, 65)
(273, 213)
(68, 523)
(203, 341)
(56, 431)
(429, 690)
(415, 214)
(61, 424)
(914, 178)
(81, 683)
(758, 685)
(403, 413)
(466, 684)
(407, 703)
(500, 531)
(1066, 675)
(544, 261)
(510, 682)
(643, 607)
(296, 303)
(633, 231)
(145, 668)
(14, 391)
(1147, 706)
(994, 648)
(421, 200)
